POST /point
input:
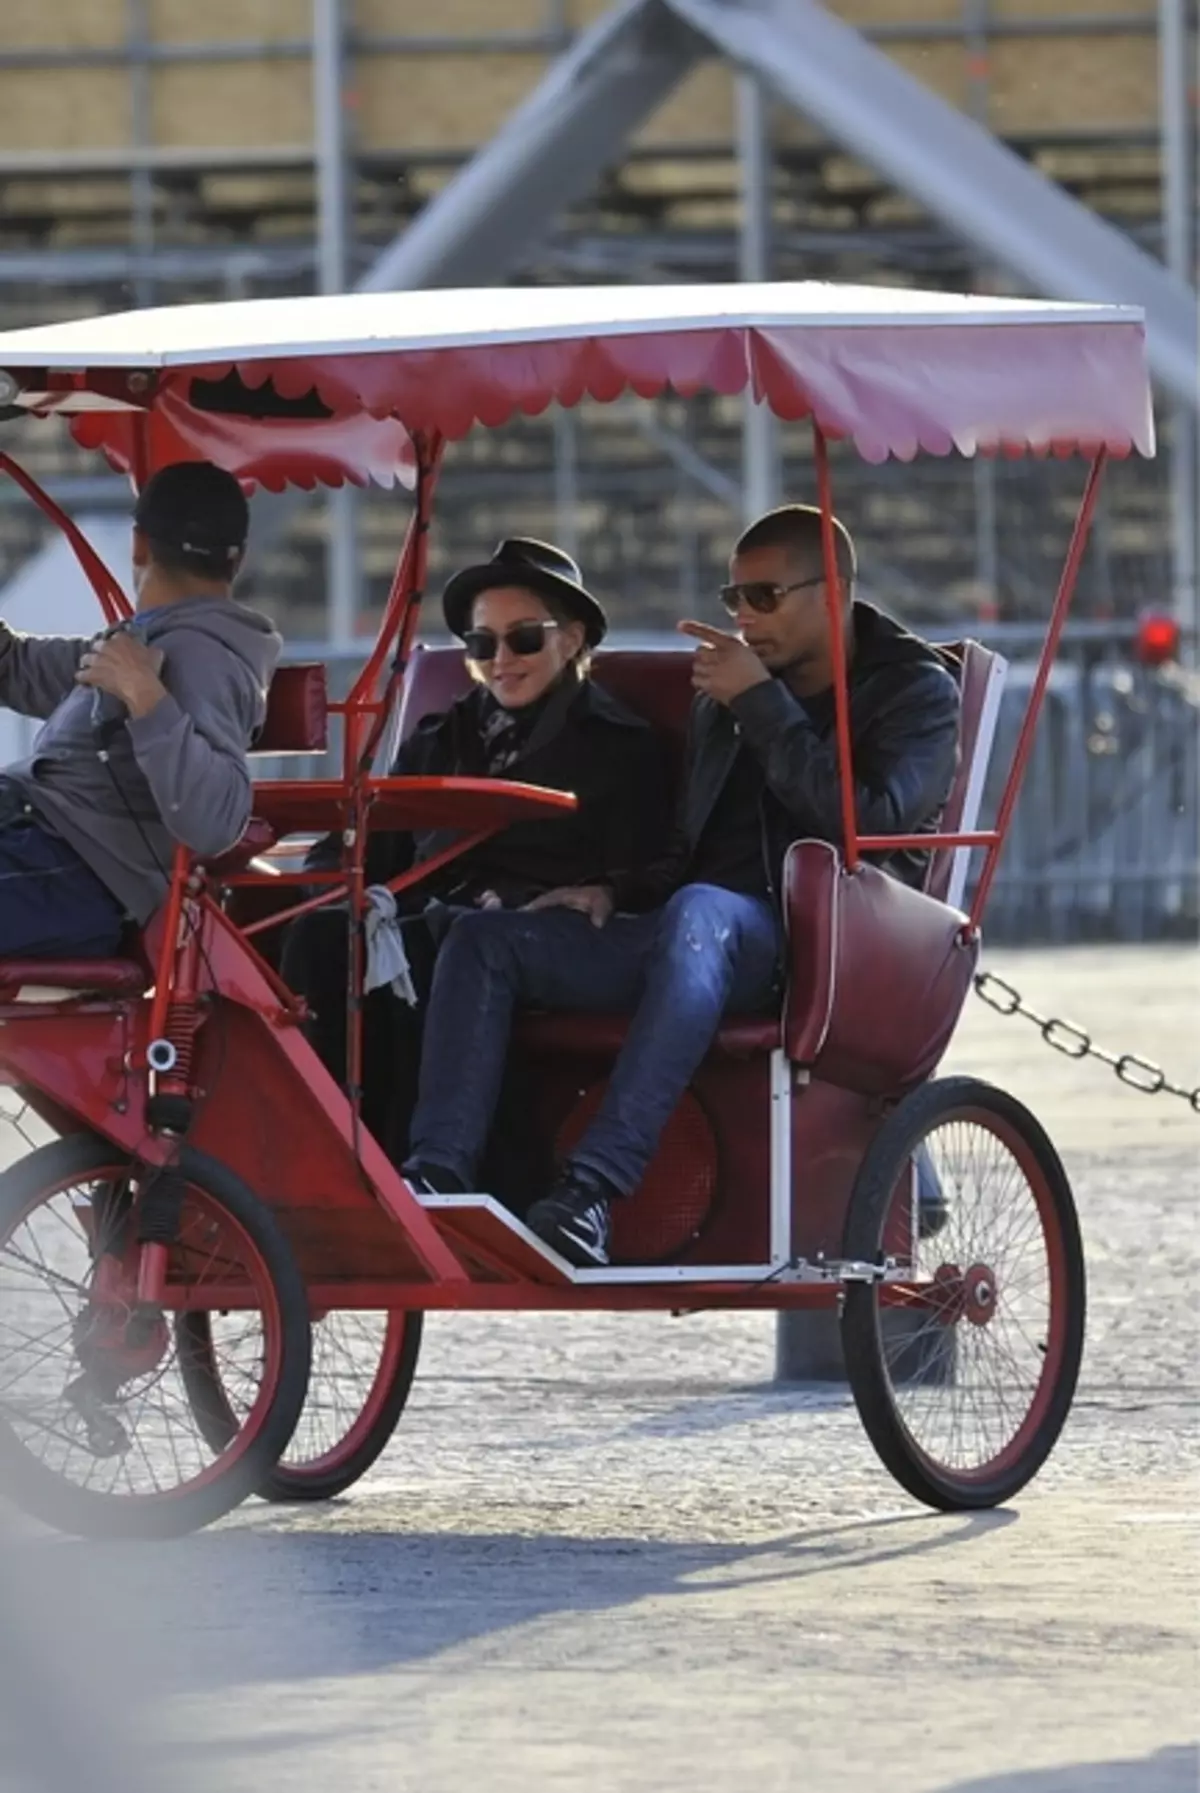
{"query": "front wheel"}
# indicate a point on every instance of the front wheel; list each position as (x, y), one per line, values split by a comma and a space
(363, 1366)
(97, 1434)
(996, 1294)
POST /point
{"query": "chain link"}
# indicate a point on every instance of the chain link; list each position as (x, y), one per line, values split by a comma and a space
(1075, 1042)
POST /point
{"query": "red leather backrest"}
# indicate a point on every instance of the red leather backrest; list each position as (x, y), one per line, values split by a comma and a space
(973, 666)
(655, 683)
(878, 973)
(297, 719)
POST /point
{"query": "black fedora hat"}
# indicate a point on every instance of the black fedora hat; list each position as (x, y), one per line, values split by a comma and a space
(538, 567)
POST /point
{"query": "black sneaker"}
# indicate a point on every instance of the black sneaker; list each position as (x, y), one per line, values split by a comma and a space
(432, 1179)
(574, 1221)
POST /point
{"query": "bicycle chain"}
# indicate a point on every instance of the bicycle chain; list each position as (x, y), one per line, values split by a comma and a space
(1075, 1042)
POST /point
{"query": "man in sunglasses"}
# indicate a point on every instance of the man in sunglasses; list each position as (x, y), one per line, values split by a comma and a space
(697, 932)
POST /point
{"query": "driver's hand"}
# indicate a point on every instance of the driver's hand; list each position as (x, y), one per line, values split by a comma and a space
(593, 900)
(126, 668)
(487, 899)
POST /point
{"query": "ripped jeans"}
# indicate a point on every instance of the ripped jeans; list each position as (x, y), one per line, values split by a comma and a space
(676, 970)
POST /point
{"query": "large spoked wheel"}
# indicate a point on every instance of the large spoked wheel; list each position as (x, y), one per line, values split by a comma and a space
(994, 1308)
(97, 1434)
(363, 1366)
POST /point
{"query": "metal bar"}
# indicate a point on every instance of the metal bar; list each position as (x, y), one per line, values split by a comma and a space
(329, 143)
(1033, 710)
(760, 441)
(566, 480)
(550, 40)
(404, 881)
(890, 843)
(781, 1157)
(1176, 73)
(170, 944)
(837, 642)
(249, 157)
(141, 182)
(333, 214)
(164, 157)
(404, 600)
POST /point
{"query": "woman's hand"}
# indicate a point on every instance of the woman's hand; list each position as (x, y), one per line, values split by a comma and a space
(487, 899)
(593, 900)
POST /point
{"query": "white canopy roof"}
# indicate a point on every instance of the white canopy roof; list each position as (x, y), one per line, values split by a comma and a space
(896, 371)
(367, 323)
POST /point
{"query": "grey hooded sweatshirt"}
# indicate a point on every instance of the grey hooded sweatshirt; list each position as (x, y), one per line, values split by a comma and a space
(177, 774)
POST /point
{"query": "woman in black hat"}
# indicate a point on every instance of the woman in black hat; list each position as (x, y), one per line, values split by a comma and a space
(528, 625)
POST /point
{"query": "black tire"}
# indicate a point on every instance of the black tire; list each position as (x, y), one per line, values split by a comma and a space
(217, 1486)
(977, 1297)
(303, 1473)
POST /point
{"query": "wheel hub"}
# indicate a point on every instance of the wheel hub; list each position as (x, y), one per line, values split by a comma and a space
(979, 1295)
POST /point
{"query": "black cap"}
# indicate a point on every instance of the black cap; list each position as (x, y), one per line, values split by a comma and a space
(199, 510)
(537, 567)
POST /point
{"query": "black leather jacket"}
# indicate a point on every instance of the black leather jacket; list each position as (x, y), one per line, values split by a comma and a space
(584, 741)
(904, 715)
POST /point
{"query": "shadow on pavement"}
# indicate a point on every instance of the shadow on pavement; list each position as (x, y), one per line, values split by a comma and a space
(1174, 1770)
(251, 1604)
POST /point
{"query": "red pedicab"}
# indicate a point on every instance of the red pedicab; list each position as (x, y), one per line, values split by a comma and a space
(213, 1211)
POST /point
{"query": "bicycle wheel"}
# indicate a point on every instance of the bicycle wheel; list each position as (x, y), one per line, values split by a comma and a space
(1002, 1280)
(97, 1435)
(363, 1366)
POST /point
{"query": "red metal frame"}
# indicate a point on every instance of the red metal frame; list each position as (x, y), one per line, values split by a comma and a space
(90, 1061)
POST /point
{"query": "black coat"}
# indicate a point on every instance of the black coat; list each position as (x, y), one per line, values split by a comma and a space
(584, 741)
(904, 717)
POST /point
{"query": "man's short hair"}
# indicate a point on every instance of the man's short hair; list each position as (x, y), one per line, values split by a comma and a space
(797, 529)
(196, 519)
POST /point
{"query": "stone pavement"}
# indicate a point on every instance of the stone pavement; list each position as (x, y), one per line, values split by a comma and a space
(608, 1553)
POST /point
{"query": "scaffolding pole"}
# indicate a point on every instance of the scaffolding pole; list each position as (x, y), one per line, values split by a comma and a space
(333, 218)
(1176, 66)
(760, 436)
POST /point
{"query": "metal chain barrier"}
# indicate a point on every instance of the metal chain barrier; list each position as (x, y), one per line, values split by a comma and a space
(1075, 1042)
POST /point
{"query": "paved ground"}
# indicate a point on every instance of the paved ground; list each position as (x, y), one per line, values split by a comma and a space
(610, 1554)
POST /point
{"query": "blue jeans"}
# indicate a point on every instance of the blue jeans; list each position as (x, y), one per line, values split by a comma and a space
(677, 970)
(51, 904)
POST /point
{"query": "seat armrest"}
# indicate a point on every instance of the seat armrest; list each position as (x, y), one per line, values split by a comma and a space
(257, 836)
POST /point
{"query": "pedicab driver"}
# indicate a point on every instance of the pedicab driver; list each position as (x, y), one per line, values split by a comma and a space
(698, 932)
(146, 730)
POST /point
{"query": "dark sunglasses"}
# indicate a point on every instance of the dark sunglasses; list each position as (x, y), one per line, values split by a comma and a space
(761, 594)
(525, 639)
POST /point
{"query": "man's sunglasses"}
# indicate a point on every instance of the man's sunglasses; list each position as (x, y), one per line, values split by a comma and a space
(761, 594)
(525, 639)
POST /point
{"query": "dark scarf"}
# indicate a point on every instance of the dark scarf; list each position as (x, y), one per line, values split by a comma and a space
(506, 735)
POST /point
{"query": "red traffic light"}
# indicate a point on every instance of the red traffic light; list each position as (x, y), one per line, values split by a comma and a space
(1157, 640)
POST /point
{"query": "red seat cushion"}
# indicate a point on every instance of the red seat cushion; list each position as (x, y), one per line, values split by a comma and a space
(102, 977)
(742, 1036)
(297, 718)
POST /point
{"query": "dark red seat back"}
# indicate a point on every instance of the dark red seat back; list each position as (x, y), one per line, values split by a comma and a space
(655, 683)
(980, 674)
